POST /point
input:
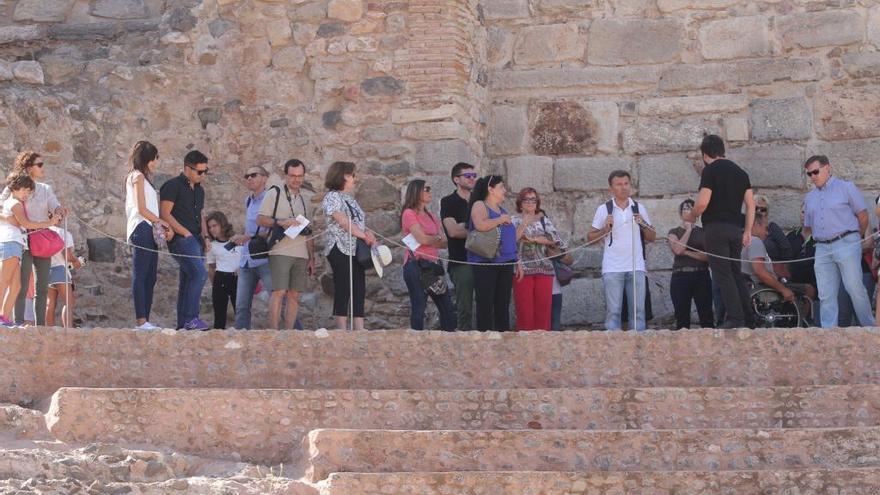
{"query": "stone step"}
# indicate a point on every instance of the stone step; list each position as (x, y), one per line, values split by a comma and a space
(267, 426)
(19, 423)
(378, 451)
(429, 360)
(850, 481)
(183, 486)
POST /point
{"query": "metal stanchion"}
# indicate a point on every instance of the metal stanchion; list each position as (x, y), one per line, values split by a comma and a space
(350, 276)
(635, 290)
(66, 280)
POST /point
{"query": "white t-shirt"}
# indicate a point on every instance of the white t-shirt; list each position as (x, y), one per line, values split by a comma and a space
(131, 207)
(59, 258)
(9, 232)
(225, 259)
(618, 256)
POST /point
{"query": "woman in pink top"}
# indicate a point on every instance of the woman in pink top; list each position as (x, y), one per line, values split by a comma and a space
(421, 267)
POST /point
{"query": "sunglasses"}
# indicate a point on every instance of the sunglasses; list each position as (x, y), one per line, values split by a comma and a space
(250, 176)
(530, 200)
(200, 172)
(427, 189)
(761, 209)
(468, 175)
(813, 172)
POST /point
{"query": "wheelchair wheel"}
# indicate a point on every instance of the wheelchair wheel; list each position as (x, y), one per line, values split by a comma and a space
(772, 311)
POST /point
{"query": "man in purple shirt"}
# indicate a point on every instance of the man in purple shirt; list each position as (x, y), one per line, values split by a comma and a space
(836, 215)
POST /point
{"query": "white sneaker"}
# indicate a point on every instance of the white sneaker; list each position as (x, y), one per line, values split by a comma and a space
(146, 326)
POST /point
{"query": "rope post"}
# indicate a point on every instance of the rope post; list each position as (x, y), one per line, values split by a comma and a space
(350, 275)
(635, 291)
(66, 281)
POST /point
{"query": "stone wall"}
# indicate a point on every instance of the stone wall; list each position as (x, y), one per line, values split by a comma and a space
(553, 93)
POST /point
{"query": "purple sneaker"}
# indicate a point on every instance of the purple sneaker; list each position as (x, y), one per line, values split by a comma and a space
(196, 324)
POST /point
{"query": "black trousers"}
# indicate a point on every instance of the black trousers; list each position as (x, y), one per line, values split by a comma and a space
(223, 292)
(725, 239)
(687, 286)
(493, 285)
(339, 264)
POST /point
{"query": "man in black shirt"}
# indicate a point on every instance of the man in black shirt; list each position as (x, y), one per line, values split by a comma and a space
(724, 187)
(454, 212)
(182, 200)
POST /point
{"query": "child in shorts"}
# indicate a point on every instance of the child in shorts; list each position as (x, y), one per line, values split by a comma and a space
(61, 282)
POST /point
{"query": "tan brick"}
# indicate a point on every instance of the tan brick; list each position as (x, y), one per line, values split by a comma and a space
(619, 42)
(737, 37)
(815, 29)
(548, 44)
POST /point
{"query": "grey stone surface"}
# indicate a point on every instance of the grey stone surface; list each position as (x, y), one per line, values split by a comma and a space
(647, 135)
(874, 26)
(382, 86)
(6, 71)
(588, 173)
(815, 29)
(860, 65)
(289, 57)
(575, 7)
(736, 37)
(15, 34)
(505, 9)
(28, 72)
(618, 42)
(774, 120)
(500, 41)
(440, 156)
(508, 130)
(119, 9)
(772, 166)
(841, 115)
(855, 160)
(548, 44)
(583, 302)
(592, 79)
(530, 171)
(740, 73)
(667, 174)
(685, 105)
(42, 10)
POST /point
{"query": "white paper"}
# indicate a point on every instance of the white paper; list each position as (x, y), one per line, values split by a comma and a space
(294, 230)
(411, 242)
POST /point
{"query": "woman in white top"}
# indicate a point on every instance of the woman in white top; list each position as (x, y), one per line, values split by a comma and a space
(142, 211)
(40, 206)
(12, 240)
(223, 258)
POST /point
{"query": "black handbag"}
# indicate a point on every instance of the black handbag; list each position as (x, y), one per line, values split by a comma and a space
(260, 244)
(362, 252)
(433, 277)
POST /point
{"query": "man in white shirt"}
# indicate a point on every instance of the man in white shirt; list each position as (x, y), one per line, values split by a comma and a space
(614, 220)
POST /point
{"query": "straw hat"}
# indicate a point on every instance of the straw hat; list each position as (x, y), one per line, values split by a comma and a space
(381, 258)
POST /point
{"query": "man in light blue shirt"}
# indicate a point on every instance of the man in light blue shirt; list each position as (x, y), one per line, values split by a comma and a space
(836, 215)
(251, 270)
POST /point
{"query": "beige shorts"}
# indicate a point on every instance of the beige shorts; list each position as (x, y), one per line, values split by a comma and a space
(288, 273)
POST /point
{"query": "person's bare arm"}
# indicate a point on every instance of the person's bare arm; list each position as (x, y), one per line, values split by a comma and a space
(481, 220)
(863, 222)
(770, 280)
(456, 230)
(23, 220)
(356, 231)
(749, 200)
(700, 204)
(679, 246)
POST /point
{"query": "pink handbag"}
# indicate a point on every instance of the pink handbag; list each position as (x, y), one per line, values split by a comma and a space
(44, 243)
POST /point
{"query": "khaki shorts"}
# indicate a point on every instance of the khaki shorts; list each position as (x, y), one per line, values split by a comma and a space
(288, 273)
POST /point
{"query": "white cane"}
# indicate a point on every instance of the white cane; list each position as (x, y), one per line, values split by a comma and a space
(66, 281)
(635, 289)
(350, 275)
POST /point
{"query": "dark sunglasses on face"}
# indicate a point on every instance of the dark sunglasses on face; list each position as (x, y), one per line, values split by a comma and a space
(250, 176)
(813, 172)
(200, 172)
(761, 209)
(427, 189)
(530, 200)
(468, 175)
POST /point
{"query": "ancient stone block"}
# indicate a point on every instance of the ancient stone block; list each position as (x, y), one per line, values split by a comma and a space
(508, 130)
(814, 29)
(289, 57)
(119, 9)
(617, 42)
(854, 160)
(587, 173)
(849, 113)
(15, 34)
(440, 156)
(594, 79)
(218, 27)
(382, 86)
(584, 301)
(209, 116)
(375, 193)
(505, 9)
(409, 115)
(562, 128)
(548, 44)
(685, 105)
(42, 10)
(862, 64)
(345, 10)
(874, 26)
(787, 118)
(434, 130)
(659, 136)
(6, 71)
(102, 249)
(499, 50)
(606, 114)
(771, 166)
(576, 7)
(60, 67)
(28, 72)
(736, 129)
(664, 216)
(741, 73)
(331, 29)
(279, 32)
(530, 171)
(667, 174)
(673, 5)
(737, 37)
(180, 19)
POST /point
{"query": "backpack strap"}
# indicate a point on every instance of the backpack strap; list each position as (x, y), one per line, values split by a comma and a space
(635, 208)
(609, 206)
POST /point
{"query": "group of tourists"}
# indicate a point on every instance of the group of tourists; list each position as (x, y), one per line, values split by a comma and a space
(493, 255)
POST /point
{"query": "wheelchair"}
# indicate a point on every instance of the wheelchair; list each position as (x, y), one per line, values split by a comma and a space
(772, 311)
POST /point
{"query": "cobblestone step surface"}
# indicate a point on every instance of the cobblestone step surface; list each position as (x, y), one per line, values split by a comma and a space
(802, 482)
(267, 426)
(380, 451)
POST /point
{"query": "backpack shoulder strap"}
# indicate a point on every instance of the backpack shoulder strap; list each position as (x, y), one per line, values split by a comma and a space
(609, 206)
(277, 197)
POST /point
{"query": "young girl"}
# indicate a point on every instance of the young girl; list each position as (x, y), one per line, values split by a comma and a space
(12, 241)
(61, 283)
(223, 260)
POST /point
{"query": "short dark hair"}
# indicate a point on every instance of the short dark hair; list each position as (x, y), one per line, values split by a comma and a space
(684, 203)
(760, 219)
(458, 167)
(618, 173)
(712, 146)
(335, 179)
(822, 159)
(294, 163)
(194, 158)
(223, 222)
(16, 181)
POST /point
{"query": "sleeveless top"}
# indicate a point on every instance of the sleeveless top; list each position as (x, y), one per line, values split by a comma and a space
(507, 246)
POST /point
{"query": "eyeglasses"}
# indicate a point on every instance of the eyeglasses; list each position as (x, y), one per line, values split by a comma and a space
(200, 172)
(761, 209)
(813, 172)
(530, 200)
(427, 189)
(250, 176)
(468, 175)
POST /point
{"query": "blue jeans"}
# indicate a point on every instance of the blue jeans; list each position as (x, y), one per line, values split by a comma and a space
(244, 292)
(556, 313)
(841, 261)
(192, 277)
(615, 283)
(418, 300)
(845, 310)
(144, 268)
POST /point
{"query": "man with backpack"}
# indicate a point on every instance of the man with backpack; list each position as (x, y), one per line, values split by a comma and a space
(252, 269)
(614, 220)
